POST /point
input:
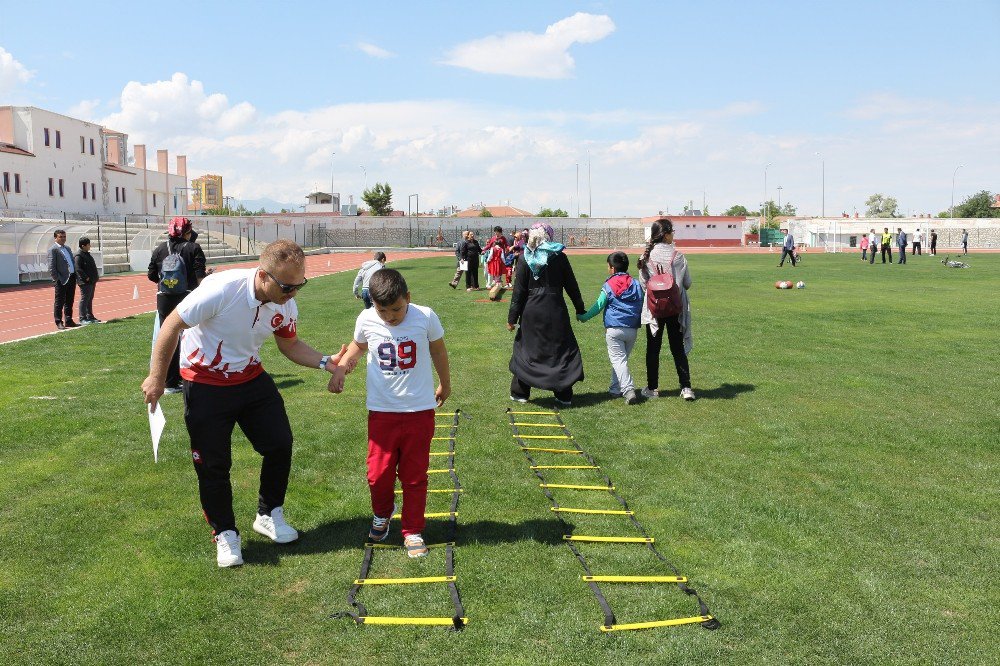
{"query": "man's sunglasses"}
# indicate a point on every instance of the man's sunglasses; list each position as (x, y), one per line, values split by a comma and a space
(285, 288)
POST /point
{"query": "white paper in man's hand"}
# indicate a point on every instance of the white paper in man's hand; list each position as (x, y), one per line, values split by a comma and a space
(156, 422)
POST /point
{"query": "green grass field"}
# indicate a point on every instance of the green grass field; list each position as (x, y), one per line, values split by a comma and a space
(832, 494)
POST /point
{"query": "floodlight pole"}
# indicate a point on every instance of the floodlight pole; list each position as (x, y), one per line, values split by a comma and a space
(953, 190)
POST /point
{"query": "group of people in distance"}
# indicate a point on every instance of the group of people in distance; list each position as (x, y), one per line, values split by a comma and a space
(69, 271)
(872, 242)
(501, 253)
(228, 317)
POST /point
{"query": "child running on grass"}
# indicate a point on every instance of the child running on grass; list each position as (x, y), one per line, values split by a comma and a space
(621, 301)
(402, 340)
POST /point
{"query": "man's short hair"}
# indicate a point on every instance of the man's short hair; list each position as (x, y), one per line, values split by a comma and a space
(58, 232)
(281, 252)
(387, 286)
(84, 241)
(380, 256)
(618, 261)
(498, 229)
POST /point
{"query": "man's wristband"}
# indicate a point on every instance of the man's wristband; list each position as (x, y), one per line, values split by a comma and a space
(323, 361)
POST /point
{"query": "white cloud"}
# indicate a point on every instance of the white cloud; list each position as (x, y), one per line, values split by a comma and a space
(84, 109)
(12, 72)
(178, 107)
(532, 55)
(374, 51)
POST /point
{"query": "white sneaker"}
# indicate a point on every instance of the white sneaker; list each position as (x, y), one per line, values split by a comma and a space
(274, 526)
(646, 393)
(227, 549)
(687, 394)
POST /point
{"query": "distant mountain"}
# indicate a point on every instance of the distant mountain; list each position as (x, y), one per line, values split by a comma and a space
(269, 205)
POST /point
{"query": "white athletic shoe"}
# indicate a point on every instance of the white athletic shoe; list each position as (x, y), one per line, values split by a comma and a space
(687, 394)
(646, 393)
(274, 526)
(227, 549)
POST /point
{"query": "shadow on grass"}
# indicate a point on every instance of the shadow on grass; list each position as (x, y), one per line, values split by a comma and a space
(724, 391)
(541, 398)
(350, 533)
(285, 381)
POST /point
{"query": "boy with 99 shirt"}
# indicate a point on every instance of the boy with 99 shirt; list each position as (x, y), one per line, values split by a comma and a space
(402, 340)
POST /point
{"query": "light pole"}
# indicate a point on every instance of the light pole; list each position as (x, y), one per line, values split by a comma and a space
(408, 199)
(823, 167)
(779, 199)
(577, 190)
(333, 208)
(763, 211)
(365, 171)
(590, 192)
(953, 190)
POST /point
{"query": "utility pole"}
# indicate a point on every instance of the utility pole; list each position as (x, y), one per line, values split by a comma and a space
(578, 189)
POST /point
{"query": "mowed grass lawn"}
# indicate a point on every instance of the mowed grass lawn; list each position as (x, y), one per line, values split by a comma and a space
(832, 494)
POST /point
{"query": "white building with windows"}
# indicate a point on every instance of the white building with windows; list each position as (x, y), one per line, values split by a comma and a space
(52, 164)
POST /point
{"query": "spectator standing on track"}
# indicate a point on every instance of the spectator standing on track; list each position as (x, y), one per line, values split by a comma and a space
(227, 320)
(459, 252)
(368, 269)
(965, 242)
(63, 273)
(886, 244)
(661, 253)
(901, 244)
(933, 242)
(185, 274)
(87, 276)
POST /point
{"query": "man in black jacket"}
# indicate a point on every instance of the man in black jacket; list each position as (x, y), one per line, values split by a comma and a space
(86, 277)
(181, 242)
(459, 252)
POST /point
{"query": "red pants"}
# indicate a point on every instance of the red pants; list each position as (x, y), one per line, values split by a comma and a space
(399, 443)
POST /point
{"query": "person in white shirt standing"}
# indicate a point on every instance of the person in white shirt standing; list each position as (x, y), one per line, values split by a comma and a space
(918, 239)
(227, 319)
(402, 341)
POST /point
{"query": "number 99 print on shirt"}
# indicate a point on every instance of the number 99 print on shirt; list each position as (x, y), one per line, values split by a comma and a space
(400, 371)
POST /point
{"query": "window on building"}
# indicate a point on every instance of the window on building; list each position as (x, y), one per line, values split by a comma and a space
(123, 195)
(61, 193)
(58, 139)
(154, 199)
(51, 187)
(93, 191)
(84, 189)
(6, 181)
(83, 144)
(91, 146)
(46, 133)
(116, 195)
(175, 203)
(17, 183)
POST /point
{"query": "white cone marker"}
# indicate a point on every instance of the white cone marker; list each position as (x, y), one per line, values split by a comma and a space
(135, 293)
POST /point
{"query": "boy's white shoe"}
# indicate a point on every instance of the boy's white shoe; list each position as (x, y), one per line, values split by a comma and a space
(274, 526)
(687, 394)
(227, 549)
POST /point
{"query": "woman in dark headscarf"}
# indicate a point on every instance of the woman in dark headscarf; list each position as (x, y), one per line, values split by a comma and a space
(546, 354)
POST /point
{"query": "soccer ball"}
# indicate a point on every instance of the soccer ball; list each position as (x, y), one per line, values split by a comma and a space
(800, 285)
(782, 284)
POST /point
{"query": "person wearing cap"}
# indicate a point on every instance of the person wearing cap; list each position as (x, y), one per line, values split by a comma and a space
(180, 241)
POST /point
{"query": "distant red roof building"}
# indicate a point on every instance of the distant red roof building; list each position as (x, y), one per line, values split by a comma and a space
(496, 211)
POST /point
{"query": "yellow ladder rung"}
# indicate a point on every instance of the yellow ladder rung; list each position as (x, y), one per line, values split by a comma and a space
(564, 467)
(441, 453)
(540, 425)
(571, 486)
(439, 490)
(603, 512)
(442, 514)
(432, 621)
(542, 437)
(444, 413)
(635, 579)
(540, 413)
(445, 425)
(438, 471)
(438, 439)
(404, 581)
(608, 539)
(536, 448)
(389, 546)
(657, 623)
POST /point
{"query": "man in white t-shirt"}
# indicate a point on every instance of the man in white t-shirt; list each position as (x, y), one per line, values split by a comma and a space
(227, 319)
(402, 341)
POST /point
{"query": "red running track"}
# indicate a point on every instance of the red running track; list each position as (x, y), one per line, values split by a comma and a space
(26, 311)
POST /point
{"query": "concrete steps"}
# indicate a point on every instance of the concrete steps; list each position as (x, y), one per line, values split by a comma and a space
(114, 239)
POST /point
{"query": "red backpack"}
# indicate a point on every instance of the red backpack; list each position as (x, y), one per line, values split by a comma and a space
(663, 294)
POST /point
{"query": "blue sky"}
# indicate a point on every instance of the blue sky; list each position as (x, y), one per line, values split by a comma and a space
(466, 102)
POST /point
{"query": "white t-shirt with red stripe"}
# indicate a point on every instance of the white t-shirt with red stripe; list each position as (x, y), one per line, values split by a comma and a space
(400, 375)
(228, 327)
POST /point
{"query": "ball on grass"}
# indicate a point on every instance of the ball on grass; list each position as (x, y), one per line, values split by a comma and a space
(800, 285)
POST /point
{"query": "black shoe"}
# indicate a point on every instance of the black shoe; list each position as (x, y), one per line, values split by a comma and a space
(453, 285)
(95, 320)
(631, 398)
(60, 326)
(71, 324)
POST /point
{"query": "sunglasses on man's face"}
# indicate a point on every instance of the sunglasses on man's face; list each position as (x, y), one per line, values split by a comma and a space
(286, 288)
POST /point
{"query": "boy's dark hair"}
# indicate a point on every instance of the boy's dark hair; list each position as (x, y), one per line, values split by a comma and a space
(618, 261)
(58, 232)
(387, 286)
(84, 241)
(380, 256)
(498, 229)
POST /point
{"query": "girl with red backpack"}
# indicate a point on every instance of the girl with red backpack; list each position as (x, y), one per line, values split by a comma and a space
(664, 274)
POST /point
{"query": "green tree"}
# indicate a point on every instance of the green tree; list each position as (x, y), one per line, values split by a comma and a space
(740, 211)
(485, 213)
(881, 206)
(977, 205)
(548, 212)
(379, 199)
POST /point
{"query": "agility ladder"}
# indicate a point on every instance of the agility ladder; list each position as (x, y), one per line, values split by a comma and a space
(541, 438)
(458, 620)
